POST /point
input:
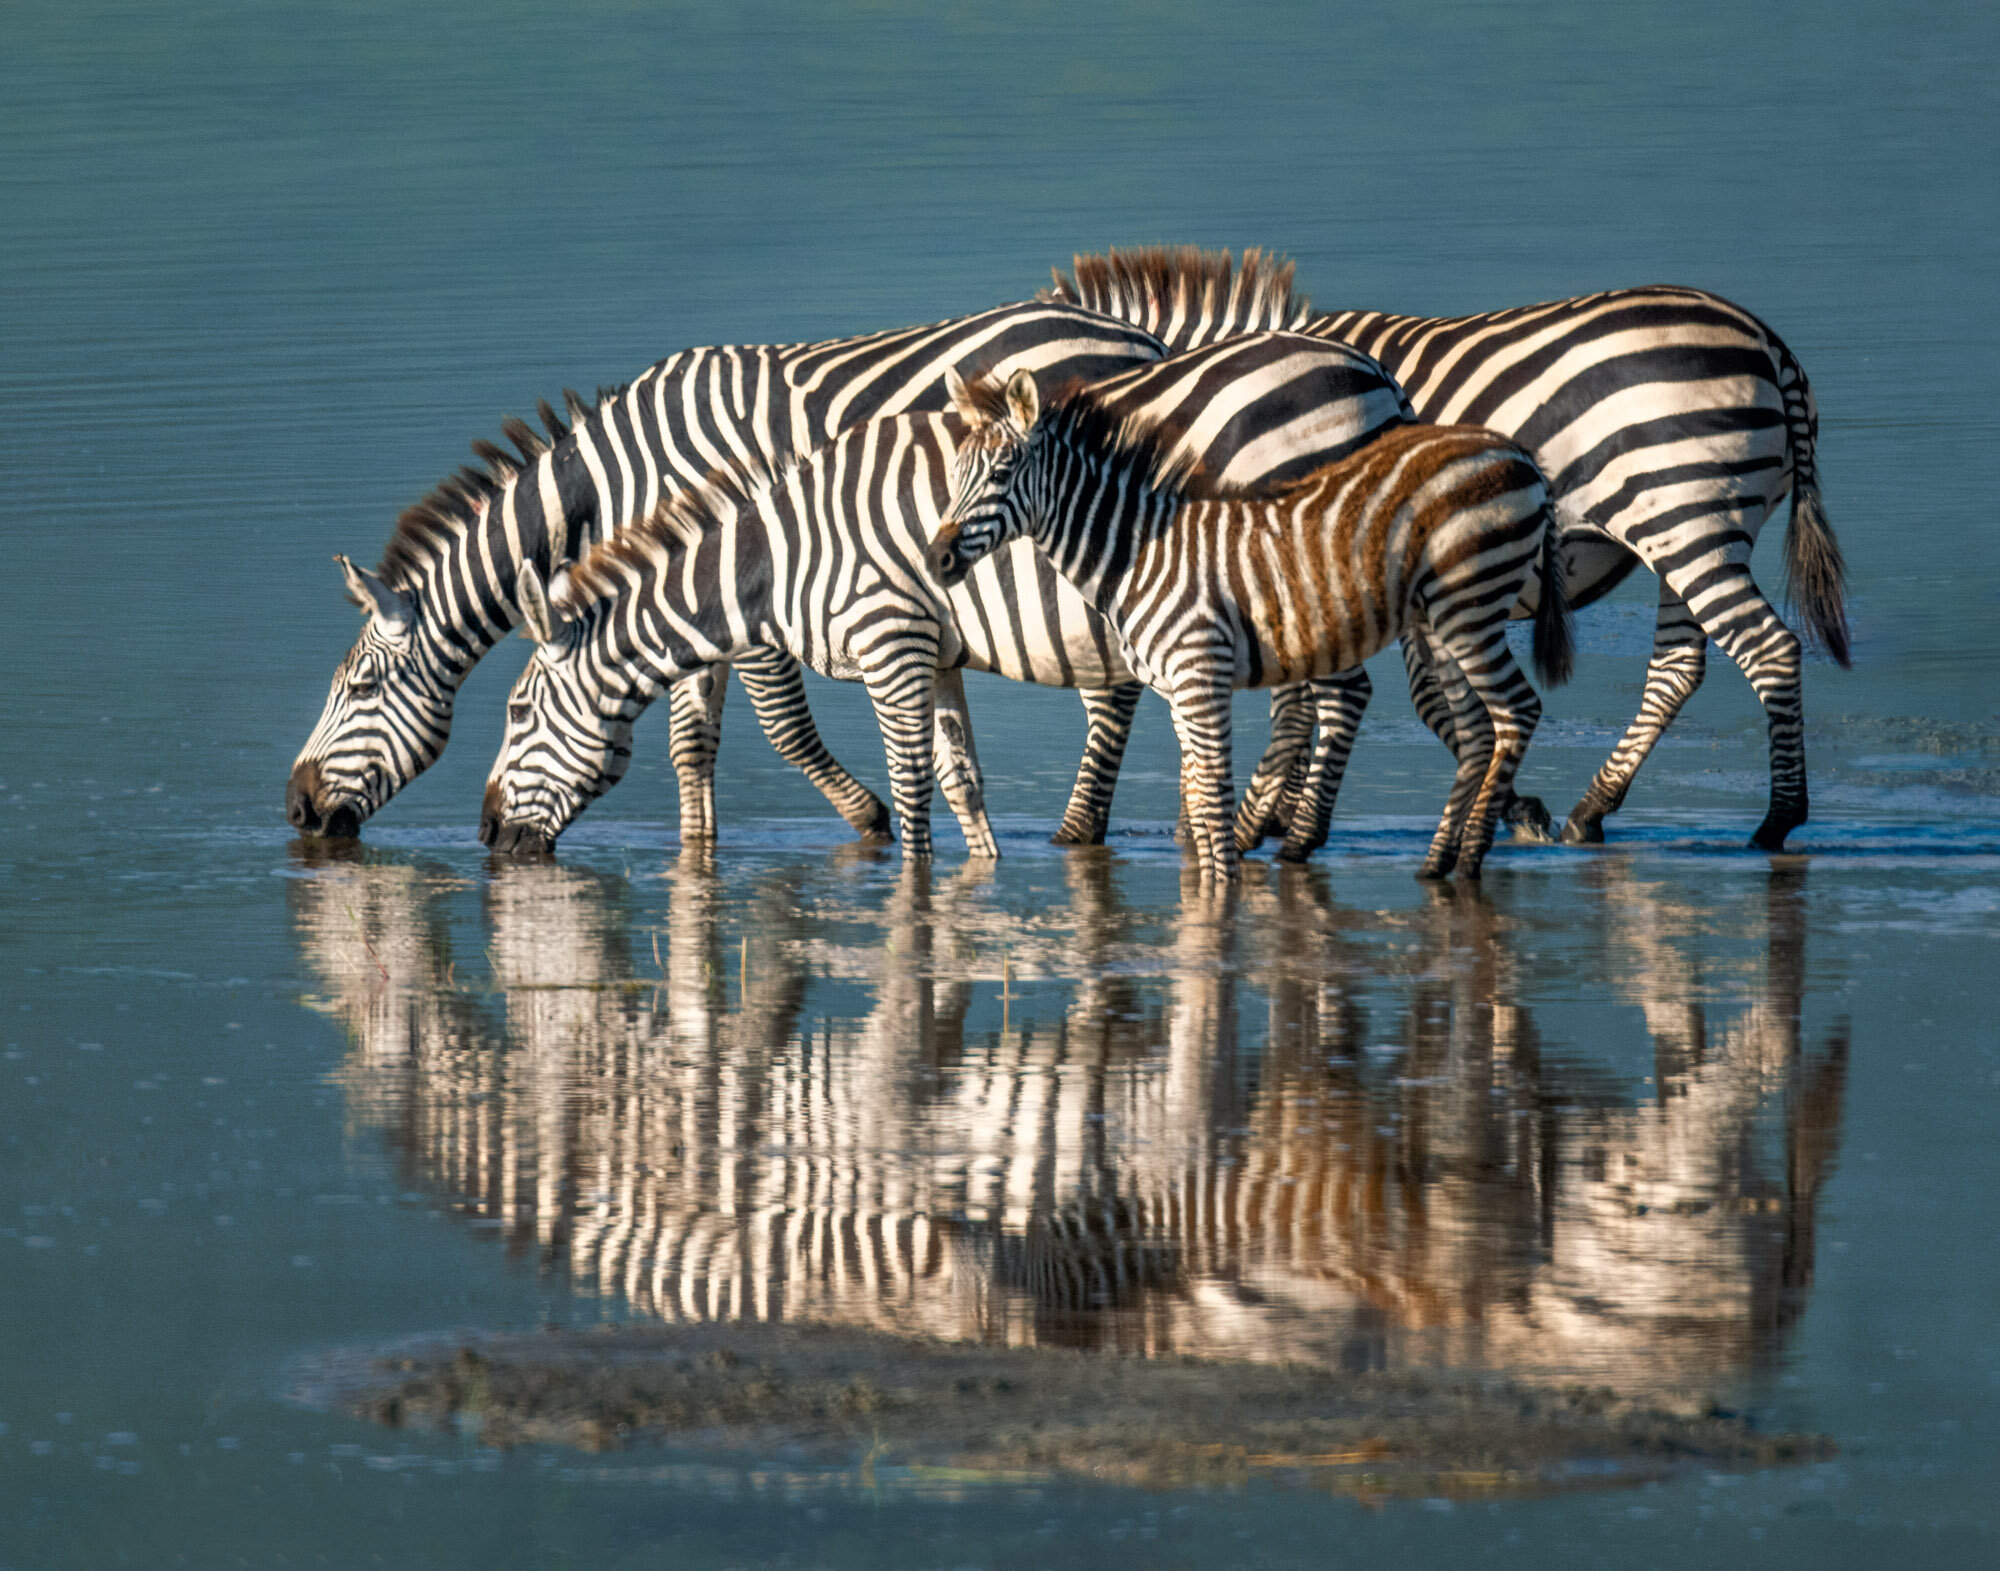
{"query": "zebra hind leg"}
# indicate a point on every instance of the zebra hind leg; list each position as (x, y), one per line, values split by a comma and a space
(1527, 817)
(1281, 772)
(1508, 712)
(777, 689)
(1680, 658)
(957, 761)
(1109, 712)
(1341, 700)
(1739, 618)
(694, 706)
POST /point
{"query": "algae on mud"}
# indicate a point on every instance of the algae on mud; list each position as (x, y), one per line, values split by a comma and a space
(835, 1397)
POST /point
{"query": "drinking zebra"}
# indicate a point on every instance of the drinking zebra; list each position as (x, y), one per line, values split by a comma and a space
(446, 593)
(1670, 424)
(1427, 532)
(826, 559)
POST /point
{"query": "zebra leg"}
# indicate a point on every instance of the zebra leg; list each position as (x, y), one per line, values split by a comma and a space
(901, 693)
(956, 759)
(1260, 812)
(1341, 700)
(1109, 711)
(1472, 736)
(1511, 711)
(694, 706)
(1527, 816)
(1680, 658)
(1200, 703)
(1728, 603)
(777, 689)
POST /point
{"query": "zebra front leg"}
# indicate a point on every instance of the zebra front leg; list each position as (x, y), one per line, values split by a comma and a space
(1281, 773)
(1680, 658)
(901, 694)
(1200, 701)
(956, 759)
(1109, 712)
(1341, 700)
(777, 689)
(694, 710)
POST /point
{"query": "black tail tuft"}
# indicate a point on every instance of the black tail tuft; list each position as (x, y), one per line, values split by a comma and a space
(1815, 574)
(1555, 629)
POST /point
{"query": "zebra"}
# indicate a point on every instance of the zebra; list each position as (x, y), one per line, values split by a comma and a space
(1429, 532)
(445, 592)
(826, 558)
(1670, 424)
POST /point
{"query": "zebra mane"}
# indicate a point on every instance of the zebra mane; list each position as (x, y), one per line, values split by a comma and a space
(1148, 451)
(677, 523)
(1183, 295)
(456, 502)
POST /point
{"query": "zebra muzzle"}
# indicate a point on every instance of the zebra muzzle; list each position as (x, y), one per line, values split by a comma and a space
(942, 558)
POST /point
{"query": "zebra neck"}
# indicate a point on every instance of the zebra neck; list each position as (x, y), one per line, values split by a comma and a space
(1096, 523)
(708, 601)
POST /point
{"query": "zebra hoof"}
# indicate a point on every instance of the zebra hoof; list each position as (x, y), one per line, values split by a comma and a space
(1435, 869)
(1581, 831)
(1066, 836)
(1529, 822)
(1770, 835)
(876, 829)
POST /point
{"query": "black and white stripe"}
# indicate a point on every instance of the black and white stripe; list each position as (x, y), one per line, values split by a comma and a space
(1670, 424)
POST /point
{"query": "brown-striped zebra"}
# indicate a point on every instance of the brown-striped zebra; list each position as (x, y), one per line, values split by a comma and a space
(1670, 424)
(1430, 532)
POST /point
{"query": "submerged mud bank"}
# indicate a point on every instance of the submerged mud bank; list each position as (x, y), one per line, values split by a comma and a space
(840, 1398)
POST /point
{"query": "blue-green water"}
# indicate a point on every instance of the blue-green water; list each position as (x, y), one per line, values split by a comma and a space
(1669, 1117)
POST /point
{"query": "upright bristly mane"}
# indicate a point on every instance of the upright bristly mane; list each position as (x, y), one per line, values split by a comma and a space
(1185, 296)
(677, 523)
(1145, 450)
(427, 528)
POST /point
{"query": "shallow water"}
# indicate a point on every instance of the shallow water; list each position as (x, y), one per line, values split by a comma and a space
(1667, 1117)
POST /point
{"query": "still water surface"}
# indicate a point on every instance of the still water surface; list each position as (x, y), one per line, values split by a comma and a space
(1670, 1118)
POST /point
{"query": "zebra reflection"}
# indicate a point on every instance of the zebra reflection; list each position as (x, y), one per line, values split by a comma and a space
(1253, 1125)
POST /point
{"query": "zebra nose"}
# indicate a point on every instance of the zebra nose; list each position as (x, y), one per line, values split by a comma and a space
(300, 808)
(489, 816)
(942, 559)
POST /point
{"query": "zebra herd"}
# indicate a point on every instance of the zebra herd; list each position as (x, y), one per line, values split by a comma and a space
(1166, 470)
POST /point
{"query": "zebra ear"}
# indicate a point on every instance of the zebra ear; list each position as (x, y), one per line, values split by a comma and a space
(961, 399)
(539, 621)
(393, 608)
(559, 583)
(1024, 400)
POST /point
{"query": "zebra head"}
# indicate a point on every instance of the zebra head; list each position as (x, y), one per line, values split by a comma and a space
(569, 734)
(387, 716)
(994, 497)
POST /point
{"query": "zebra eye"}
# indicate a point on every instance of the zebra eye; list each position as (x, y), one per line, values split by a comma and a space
(363, 687)
(521, 713)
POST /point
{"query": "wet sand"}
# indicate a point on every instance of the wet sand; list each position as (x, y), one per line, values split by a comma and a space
(838, 1398)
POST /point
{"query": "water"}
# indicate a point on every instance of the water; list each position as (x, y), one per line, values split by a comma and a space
(268, 271)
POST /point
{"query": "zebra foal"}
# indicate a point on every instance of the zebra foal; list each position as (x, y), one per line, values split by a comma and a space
(1427, 532)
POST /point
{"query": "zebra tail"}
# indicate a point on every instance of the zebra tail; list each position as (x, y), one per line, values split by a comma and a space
(1555, 628)
(1815, 573)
